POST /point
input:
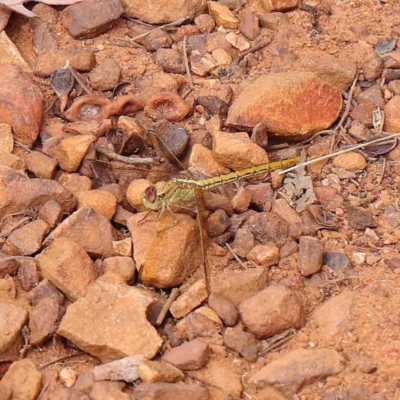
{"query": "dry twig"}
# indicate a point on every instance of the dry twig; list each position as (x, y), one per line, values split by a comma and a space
(127, 160)
(172, 297)
(185, 59)
(255, 48)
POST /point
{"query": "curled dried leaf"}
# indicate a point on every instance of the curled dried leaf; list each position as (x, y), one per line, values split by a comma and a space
(62, 82)
(381, 148)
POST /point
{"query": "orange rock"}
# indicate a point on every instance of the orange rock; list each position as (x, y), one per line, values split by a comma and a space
(6, 139)
(134, 193)
(74, 182)
(264, 255)
(12, 320)
(156, 371)
(351, 161)
(67, 266)
(223, 15)
(101, 201)
(41, 165)
(21, 104)
(291, 105)
(123, 266)
(392, 115)
(279, 5)
(52, 213)
(202, 160)
(12, 161)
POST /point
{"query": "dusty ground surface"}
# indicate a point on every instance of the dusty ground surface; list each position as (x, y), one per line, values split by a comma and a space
(362, 328)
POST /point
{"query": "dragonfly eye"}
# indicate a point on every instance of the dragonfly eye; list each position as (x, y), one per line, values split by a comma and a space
(150, 194)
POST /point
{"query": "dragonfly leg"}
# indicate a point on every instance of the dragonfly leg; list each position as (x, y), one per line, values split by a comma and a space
(143, 220)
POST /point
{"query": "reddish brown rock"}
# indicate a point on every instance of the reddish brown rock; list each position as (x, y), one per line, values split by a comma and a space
(170, 60)
(106, 75)
(74, 182)
(26, 240)
(291, 105)
(351, 161)
(24, 195)
(43, 40)
(363, 114)
(338, 72)
(90, 18)
(189, 356)
(124, 266)
(83, 227)
(51, 212)
(392, 115)
(264, 255)
(156, 371)
(44, 320)
(101, 201)
(90, 322)
(108, 390)
(241, 201)
(47, 63)
(272, 311)
(7, 289)
(190, 299)
(170, 391)
(21, 104)
(45, 290)
(372, 95)
(244, 343)
(68, 267)
(311, 252)
(279, 5)
(41, 165)
(243, 243)
(295, 369)
(162, 11)
(205, 23)
(270, 394)
(23, 379)
(249, 26)
(225, 309)
(28, 275)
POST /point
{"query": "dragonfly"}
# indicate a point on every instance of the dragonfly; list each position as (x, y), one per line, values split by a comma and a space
(186, 192)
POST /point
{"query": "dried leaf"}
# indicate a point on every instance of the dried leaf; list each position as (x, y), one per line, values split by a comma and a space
(381, 148)
(385, 46)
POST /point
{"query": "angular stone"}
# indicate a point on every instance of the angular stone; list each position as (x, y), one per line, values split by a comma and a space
(43, 39)
(28, 275)
(51, 212)
(7, 289)
(205, 23)
(108, 390)
(10, 54)
(279, 5)
(71, 151)
(124, 266)
(243, 243)
(190, 299)
(166, 259)
(202, 65)
(163, 11)
(351, 161)
(41, 165)
(84, 227)
(124, 369)
(272, 311)
(156, 371)
(170, 60)
(202, 160)
(334, 317)
(12, 161)
(21, 104)
(68, 267)
(265, 255)
(45, 290)
(291, 105)
(311, 252)
(282, 208)
(90, 323)
(244, 343)
(74, 182)
(249, 26)
(236, 150)
(47, 63)
(392, 115)
(237, 41)
(44, 320)
(189, 356)
(23, 379)
(222, 15)
(12, 320)
(298, 368)
(23, 195)
(169, 391)
(26, 240)
(225, 309)
(90, 18)
(6, 139)
(104, 203)
(106, 75)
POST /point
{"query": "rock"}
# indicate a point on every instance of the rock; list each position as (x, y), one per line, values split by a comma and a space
(21, 104)
(249, 26)
(169, 391)
(189, 356)
(78, 18)
(350, 161)
(45, 290)
(106, 75)
(333, 317)
(7, 289)
(123, 266)
(10, 54)
(217, 223)
(68, 267)
(241, 200)
(51, 212)
(124, 369)
(170, 60)
(100, 201)
(83, 227)
(174, 137)
(340, 73)
(12, 161)
(279, 5)
(201, 160)
(108, 390)
(298, 368)
(363, 363)
(44, 320)
(47, 63)
(123, 247)
(163, 11)
(205, 23)
(71, 151)
(215, 374)
(45, 13)
(41, 165)
(26, 240)
(210, 314)
(310, 255)
(272, 20)
(312, 104)
(372, 95)
(168, 258)
(23, 379)
(189, 300)
(271, 394)
(6, 139)
(272, 311)
(43, 40)
(359, 219)
(363, 114)
(394, 86)
(392, 115)
(237, 41)
(67, 377)
(282, 208)
(222, 15)
(197, 325)
(244, 343)
(5, 392)
(237, 285)
(202, 65)
(264, 255)
(12, 321)
(161, 39)
(236, 151)
(90, 322)
(225, 309)
(213, 105)
(336, 260)
(135, 192)
(221, 57)
(156, 371)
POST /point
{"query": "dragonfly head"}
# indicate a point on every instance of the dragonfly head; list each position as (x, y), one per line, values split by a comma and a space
(151, 199)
